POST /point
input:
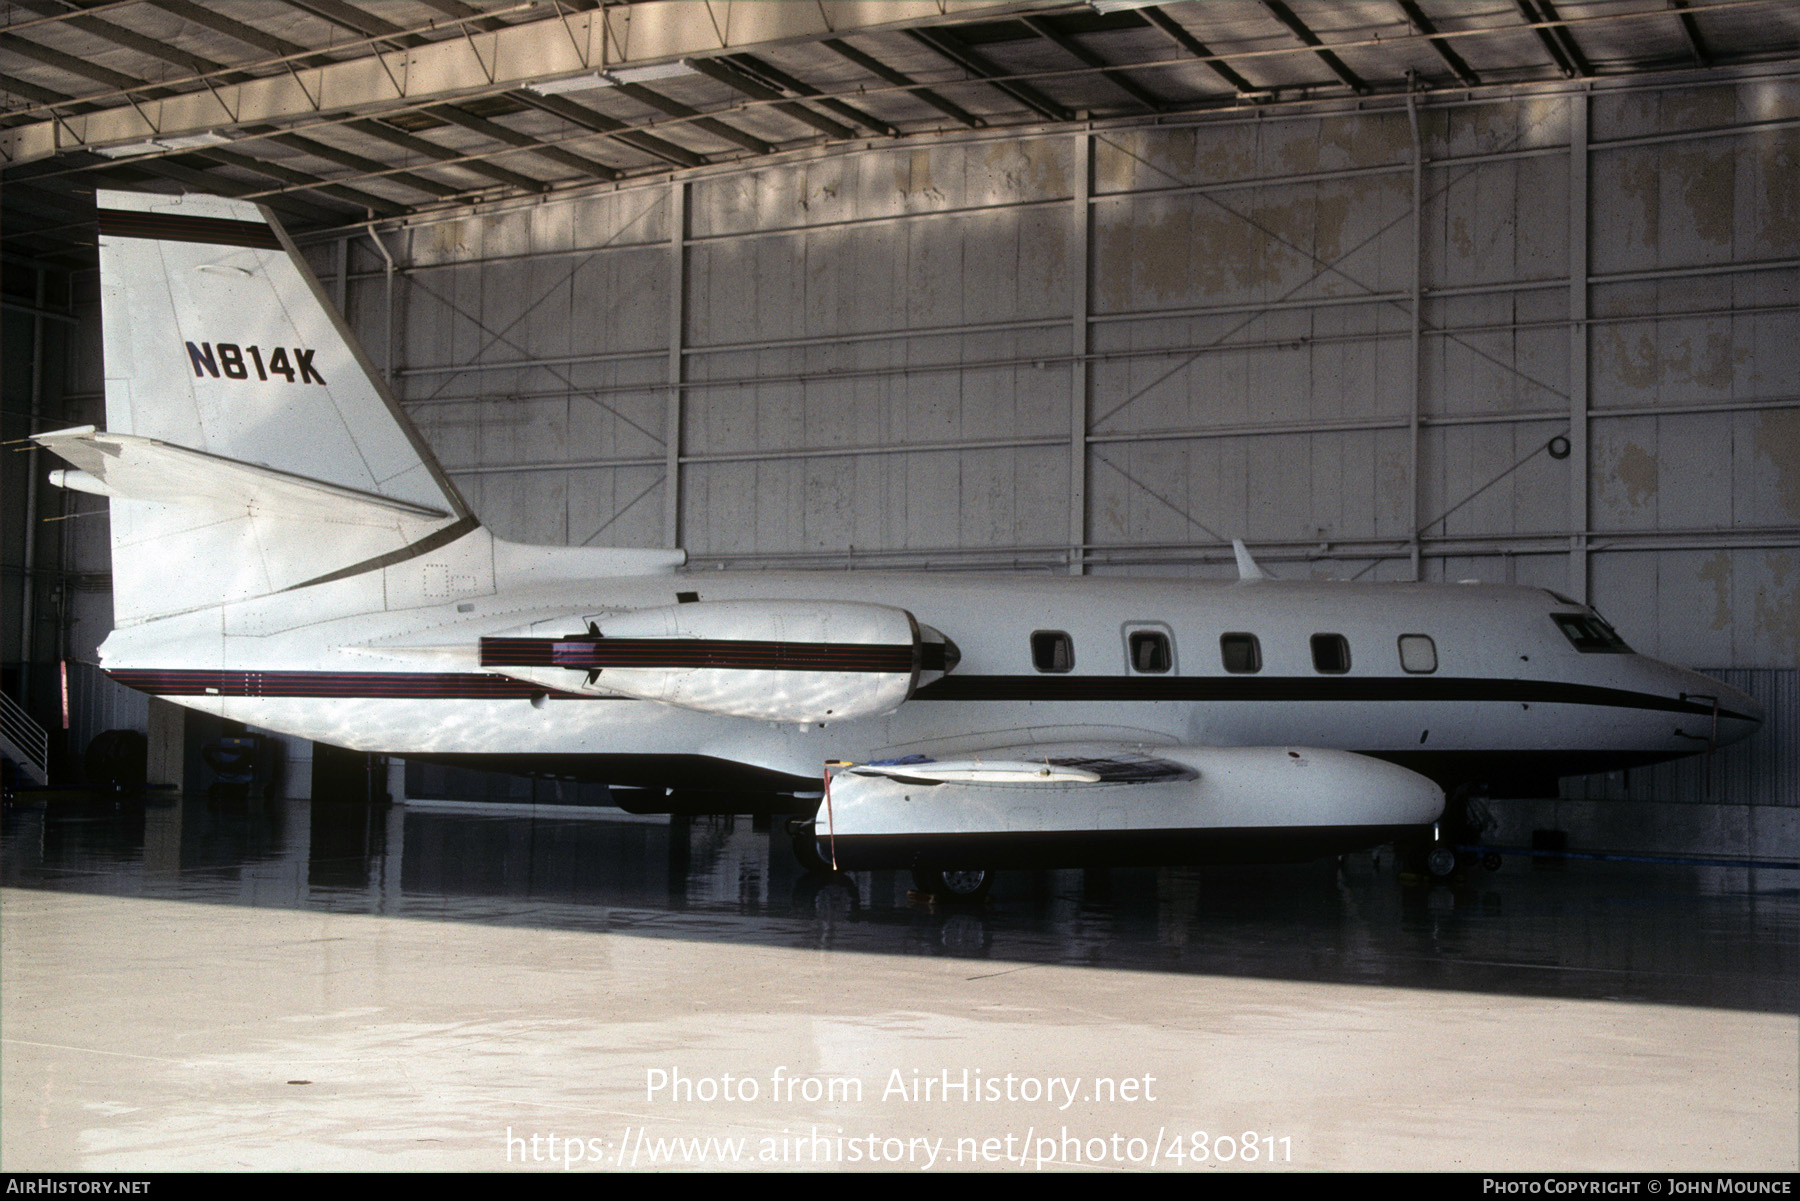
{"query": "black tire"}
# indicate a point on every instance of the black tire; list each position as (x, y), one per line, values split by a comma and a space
(1491, 861)
(803, 837)
(115, 761)
(966, 885)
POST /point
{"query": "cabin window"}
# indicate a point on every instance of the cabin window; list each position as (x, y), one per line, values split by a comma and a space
(1150, 652)
(1590, 634)
(1052, 650)
(1418, 654)
(1331, 653)
(1242, 654)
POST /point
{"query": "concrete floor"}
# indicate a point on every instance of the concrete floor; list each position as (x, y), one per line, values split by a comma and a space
(314, 987)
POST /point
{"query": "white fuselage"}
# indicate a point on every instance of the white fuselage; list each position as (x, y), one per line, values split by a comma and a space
(1508, 694)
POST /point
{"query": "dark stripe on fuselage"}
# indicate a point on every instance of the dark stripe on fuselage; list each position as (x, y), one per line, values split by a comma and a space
(1299, 688)
(1357, 690)
(584, 654)
(171, 227)
(348, 685)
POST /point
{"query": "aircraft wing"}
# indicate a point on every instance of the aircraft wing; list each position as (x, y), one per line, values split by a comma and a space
(1004, 803)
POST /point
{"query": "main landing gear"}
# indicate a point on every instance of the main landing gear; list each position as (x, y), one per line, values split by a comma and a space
(966, 885)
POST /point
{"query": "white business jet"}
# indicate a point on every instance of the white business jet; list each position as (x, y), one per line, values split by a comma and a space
(288, 553)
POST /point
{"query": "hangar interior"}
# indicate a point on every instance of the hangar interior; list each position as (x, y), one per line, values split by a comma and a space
(1387, 290)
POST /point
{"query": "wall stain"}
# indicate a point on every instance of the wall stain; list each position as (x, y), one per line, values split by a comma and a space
(912, 176)
(1778, 605)
(1700, 108)
(1708, 190)
(1716, 361)
(1217, 157)
(1459, 237)
(1640, 180)
(1717, 572)
(1778, 154)
(1778, 437)
(1633, 363)
(1027, 171)
(1636, 469)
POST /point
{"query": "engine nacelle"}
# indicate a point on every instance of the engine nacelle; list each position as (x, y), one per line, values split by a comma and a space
(787, 661)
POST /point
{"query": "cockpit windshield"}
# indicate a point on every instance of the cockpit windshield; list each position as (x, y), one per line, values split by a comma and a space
(1590, 634)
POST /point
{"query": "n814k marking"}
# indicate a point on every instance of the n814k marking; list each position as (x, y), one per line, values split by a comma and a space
(230, 361)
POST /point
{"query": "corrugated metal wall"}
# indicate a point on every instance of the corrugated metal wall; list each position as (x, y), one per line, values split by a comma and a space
(1350, 339)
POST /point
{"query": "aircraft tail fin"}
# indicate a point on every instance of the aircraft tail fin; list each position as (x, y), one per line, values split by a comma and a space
(240, 415)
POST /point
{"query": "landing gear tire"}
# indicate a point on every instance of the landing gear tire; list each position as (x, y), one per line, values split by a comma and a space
(967, 885)
(1441, 863)
(803, 837)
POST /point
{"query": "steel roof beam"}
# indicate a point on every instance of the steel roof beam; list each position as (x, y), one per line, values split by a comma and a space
(1691, 27)
(312, 183)
(1298, 28)
(882, 71)
(406, 141)
(1529, 11)
(1187, 41)
(512, 137)
(71, 63)
(348, 16)
(781, 79)
(1119, 79)
(268, 43)
(1567, 37)
(1452, 59)
(712, 125)
(587, 118)
(212, 182)
(560, 43)
(946, 45)
(456, 8)
(31, 91)
(369, 166)
(131, 39)
(732, 77)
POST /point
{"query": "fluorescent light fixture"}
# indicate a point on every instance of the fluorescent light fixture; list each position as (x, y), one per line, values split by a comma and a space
(188, 141)
(608, 79)
(575, 83)
(1113, 6)
(652, 71)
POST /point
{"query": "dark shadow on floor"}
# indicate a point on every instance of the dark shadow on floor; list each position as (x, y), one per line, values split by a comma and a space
(1722, 937)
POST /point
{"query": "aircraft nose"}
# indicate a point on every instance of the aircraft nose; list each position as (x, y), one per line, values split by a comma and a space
(1740, 714)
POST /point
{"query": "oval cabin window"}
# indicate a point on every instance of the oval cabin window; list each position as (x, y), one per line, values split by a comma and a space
(1052, 650)
(1331, 653)
(1418, 654)
(1150, 652)
(1241, 653)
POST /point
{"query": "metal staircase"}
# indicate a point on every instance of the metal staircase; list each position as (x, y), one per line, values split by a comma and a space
(23, 741)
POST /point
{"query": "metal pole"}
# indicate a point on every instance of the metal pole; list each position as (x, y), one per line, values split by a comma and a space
(28, 587)
(1080, 219)
(677, 324)
(387, 366)
(1578, 346)
(1418, 269)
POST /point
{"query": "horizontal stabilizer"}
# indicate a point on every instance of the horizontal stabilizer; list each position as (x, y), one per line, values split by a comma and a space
(144, 469)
